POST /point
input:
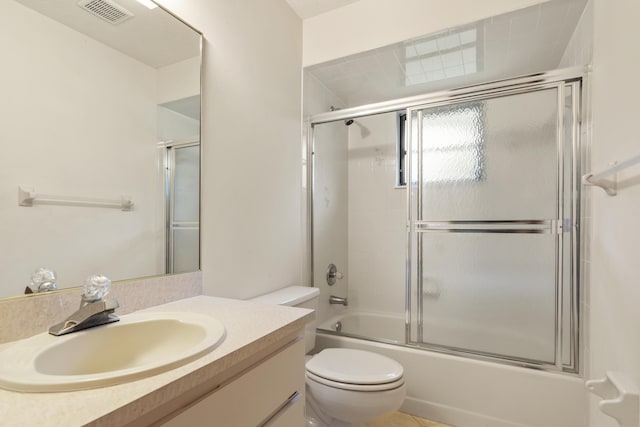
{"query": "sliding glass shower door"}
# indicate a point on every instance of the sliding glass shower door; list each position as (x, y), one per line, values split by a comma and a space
(492, 221)
(182, 195)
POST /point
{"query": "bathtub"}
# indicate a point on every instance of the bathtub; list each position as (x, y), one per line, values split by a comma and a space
(461, 391)
(385, 327)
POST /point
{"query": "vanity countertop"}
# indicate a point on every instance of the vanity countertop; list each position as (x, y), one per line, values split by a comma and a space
(252, 331)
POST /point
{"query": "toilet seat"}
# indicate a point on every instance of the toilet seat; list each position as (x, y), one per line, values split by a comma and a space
(355, 387)
(350, 369)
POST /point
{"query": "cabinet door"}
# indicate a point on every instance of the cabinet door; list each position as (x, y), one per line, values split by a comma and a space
(262, 395)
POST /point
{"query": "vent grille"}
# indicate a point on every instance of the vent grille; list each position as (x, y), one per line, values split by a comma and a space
(107, 10)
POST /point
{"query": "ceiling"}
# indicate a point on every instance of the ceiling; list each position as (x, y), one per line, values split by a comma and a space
(310, 8)
(152, 36)
(517, 43)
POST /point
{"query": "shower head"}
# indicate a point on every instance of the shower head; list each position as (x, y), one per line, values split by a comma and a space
(347, 122)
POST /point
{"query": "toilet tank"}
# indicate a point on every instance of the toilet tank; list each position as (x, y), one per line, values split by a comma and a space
(296, 296)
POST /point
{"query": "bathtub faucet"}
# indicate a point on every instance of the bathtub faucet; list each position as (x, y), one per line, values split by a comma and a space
(338, 300)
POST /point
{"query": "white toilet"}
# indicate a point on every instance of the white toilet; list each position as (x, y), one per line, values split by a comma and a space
(345, 387)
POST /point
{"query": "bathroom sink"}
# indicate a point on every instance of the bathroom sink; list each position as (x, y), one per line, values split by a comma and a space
(138, 346)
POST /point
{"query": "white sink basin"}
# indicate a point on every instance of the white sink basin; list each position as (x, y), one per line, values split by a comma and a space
(138, 346)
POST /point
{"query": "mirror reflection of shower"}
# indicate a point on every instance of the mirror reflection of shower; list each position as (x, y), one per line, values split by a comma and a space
(179, 132)
(182, 205)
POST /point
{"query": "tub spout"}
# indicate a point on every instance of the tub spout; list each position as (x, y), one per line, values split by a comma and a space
(338, 300)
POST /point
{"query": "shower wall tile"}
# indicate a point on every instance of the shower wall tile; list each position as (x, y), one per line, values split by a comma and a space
(330, 195)
(519, 42)
(377, 214)
(317, 99)
(579, 50)
(23, 317)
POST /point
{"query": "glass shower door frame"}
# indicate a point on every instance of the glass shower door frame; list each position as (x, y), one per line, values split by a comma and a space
(567, 312)
(171, 225)
(577, 79)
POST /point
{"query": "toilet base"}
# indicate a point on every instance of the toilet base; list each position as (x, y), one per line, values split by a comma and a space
(314, 419)
(362, 407)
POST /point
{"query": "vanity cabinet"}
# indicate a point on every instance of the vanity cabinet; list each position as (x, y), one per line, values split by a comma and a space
(254, 377)
(269, 393)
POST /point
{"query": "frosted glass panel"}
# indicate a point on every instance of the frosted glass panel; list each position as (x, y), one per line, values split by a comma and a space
(186, 250)
(453, 144)
(491, 293)
(491, 160)
(330, 208)
(184, 221)
(186, 184)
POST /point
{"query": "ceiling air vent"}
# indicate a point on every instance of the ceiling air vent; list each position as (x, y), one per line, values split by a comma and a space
(107, 10)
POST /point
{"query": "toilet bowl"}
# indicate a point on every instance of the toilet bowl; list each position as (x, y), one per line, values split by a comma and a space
(345, 387)
(349, 387)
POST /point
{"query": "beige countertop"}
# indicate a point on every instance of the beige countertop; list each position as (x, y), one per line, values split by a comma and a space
(252, 332)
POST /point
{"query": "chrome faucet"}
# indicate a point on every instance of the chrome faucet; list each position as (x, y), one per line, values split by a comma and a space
(338, 300)
(94, 309)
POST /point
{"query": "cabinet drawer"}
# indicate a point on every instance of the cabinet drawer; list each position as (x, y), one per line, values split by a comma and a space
(254, 397)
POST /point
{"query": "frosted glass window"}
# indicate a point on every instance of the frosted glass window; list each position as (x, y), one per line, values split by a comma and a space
(453, 145)
(453, 141)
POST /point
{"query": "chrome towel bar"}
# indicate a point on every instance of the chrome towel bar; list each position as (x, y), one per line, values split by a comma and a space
(26, 197)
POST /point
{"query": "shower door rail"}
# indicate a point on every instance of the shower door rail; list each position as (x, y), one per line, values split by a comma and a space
(550, 263)
(493, 226)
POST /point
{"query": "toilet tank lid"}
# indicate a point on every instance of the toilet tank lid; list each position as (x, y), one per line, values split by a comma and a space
(291, 295)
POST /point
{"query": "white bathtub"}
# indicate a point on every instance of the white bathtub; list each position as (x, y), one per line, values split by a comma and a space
(466, 392)
(385, 327)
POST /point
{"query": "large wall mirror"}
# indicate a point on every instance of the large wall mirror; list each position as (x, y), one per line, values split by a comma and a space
(100, 107)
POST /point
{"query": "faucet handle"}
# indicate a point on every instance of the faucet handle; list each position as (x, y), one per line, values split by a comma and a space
(95, 288)
(333, 274)
(43, 280)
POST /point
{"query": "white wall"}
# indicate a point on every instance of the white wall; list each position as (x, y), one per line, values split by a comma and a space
(251, 134)
(179, 80)
(176, 126)
(369, 24)
(50, 143)
(579, 50)
(179, 84)
(613, 257)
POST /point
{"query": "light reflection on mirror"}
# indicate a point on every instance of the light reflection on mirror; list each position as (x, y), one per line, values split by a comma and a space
(92, 109)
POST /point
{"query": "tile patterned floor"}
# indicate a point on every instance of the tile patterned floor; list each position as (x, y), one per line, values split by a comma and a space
(399, 419)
